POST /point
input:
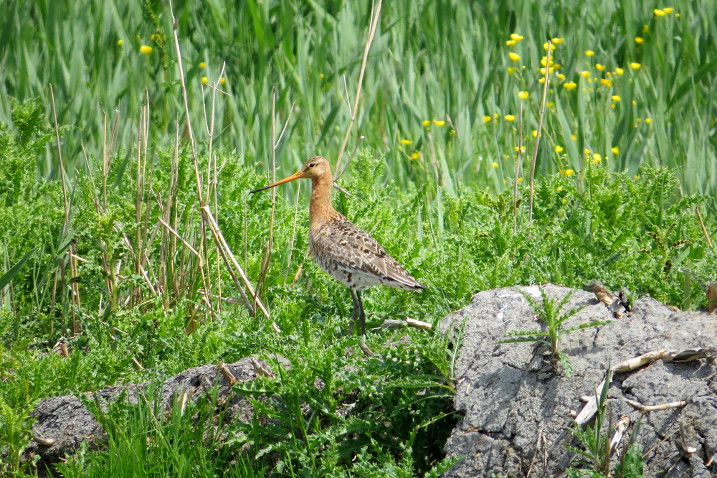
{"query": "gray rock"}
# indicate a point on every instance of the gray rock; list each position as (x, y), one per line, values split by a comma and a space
(63, 423)
(518, 406)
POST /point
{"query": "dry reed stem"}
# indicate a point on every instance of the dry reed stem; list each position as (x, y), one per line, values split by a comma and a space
(231, 262)
(72, 248)
(203, 249)
(268, 249)
(541, 116)
(518, 163)
(185, 98)
(181, 239)
(375, 15)
(293, 232)
(702, 225)
(654, 408)
(228, 375)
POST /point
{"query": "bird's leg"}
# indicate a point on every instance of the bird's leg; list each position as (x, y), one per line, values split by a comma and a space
(362, 314)
(357, 306)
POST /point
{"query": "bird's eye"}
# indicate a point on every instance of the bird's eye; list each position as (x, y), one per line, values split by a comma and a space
(312, 165)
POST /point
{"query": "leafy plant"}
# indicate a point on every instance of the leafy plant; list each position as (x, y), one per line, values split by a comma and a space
(146, 440)
(15, 431)
(548, 311)
(596, 449)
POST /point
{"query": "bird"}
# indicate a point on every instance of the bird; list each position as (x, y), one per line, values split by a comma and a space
(347, 253)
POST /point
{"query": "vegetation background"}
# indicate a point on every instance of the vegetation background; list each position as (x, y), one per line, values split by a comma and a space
(105, 248)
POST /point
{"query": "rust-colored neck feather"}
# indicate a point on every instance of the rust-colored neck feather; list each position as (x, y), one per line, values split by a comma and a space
(320, 208)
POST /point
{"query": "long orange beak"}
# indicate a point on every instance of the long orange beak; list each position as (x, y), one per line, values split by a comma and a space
(296, 175)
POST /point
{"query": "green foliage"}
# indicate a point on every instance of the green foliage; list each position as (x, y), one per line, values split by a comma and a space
(144, 440)
(431, 186)
(14, 434)
(335, 410)
(449, 67)
(596, 451)
(548, 311)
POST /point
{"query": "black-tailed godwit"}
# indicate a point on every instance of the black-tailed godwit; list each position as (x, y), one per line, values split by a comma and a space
(347, 253)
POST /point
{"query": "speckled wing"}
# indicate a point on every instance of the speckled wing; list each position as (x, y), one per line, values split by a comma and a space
(356, 259)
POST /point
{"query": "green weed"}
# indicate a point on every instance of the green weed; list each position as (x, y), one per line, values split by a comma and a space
(548, 311)
(597, 450)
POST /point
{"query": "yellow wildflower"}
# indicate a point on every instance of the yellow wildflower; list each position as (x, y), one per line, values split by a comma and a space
(426, 123)
(639, 40)
(585, 74)
(648, 120)
(416, 155)
(511, 70)
(573, 137)
(615, 98)
(659, 13)
(515, 37)
(520, 180)
(559, 188)
(549, 104)
(615, 150)
(510, 43)
(541, 80)
(222, 80)
(534, 133)
(119, 42)
(205, 80)
(599, 67)
(405, 141)
(570, 85)
(619, 71)
(561, 77)
(519, 149)
(523, 95)
(567, 172)
(645, 28)
(510, 118)
(589, 53)
(668, 10)
(597, 158)
(558, 149)
(495, 165)
(487, 119)
(155, 37)
(439, 123)
(606, 82)
(145, 49)
(513, 56)
(634, 103)
(635, 66)
(557, 41)
(203, 64)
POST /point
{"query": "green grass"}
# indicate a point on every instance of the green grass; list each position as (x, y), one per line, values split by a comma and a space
(107, 268)
(429, 61)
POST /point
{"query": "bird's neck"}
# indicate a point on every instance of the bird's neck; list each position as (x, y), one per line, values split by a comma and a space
(320, 208)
